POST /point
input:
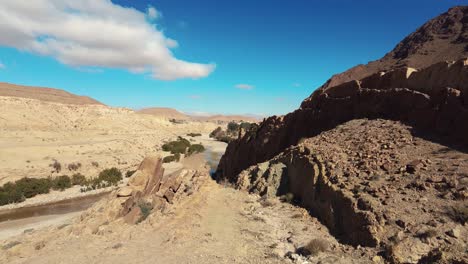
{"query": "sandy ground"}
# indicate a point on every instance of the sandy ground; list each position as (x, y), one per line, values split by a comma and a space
(215, 225)
(35, 133)
(23, 226)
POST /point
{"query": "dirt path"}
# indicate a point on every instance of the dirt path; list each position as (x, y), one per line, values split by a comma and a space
(214, 225)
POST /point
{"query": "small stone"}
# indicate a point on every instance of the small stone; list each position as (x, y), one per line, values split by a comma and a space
(39, 245)
(125, 192)
(377, 259)
(455, 232)
(400, 223)
(413, 166)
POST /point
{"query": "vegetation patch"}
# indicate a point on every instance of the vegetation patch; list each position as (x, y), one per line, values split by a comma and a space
(179, 146)
(22, 189)
(107, 178)
(314, 247)
(78, 179)
(215, 132)
(232, 131)
(56, 166)
(129, 173)
(171, 158)
(145, 209)
(61, 183)
(74, 166)
(195, 148)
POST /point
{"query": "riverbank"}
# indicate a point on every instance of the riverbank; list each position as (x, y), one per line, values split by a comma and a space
(60, 207)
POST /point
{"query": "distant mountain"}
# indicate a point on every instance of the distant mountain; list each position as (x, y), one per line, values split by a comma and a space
(45, 94)
(444, 38)
(171, 113)
(164, 112)
(227, 118)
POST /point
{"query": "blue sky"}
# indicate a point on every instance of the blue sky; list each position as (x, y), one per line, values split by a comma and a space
(282, 49)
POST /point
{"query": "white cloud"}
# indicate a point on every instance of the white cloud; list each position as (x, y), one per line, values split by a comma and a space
(153, 13)
(195, 97)
(245, 86)
(297, 84)
(2, 66)
(94, 33)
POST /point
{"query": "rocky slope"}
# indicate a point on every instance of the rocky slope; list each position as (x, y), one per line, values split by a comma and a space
(433, 98)
(45, 94)
(376, 183)
(442, 38)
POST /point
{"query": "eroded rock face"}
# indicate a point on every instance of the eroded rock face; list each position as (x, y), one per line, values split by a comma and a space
(433, 99)
(303, 174)
(148, 190)
(373, 183)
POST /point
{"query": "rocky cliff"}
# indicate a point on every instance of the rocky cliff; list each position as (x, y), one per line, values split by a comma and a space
(432, 98)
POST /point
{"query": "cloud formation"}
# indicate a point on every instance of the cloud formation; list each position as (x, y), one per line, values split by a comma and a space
(94, 33)
(244, 86)
(153, 13)
(2, 66)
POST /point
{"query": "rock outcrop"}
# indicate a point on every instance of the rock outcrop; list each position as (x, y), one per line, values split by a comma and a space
(417, 83)
(373, 183)
(149, 190)
(433, 99)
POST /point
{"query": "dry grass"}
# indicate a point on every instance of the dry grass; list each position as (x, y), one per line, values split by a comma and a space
(315, 246)
(459, 213)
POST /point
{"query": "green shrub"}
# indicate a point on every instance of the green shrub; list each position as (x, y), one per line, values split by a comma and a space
(111, 176)
(233, 127)
(11, 196)
(195, 148)
(172, 158)
(245, 125)
(61, 183)
(129, 173)
(194, 134)
(215, 132)
(30, 187)
(179, 146)
(145, 211)
(78, 179)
